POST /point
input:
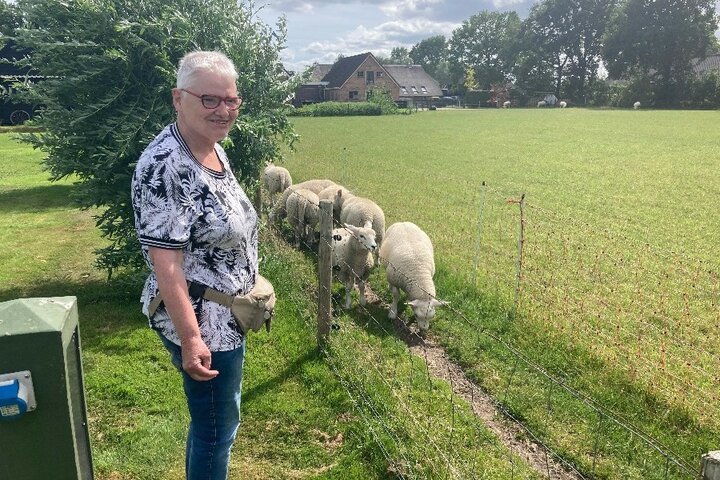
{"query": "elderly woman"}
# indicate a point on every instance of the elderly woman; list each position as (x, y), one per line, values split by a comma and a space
(198, 229)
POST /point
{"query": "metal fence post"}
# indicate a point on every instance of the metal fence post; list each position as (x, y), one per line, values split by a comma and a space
(324, 271)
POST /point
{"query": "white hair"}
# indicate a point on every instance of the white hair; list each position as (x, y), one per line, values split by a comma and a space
(199, 61)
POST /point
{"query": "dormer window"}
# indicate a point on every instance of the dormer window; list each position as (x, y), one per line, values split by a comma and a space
(423, 89)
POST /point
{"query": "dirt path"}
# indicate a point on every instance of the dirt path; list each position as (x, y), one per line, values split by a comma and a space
(509, 433)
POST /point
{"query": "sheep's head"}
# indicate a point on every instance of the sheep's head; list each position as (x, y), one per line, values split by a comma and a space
(424, 311)
(364, 235)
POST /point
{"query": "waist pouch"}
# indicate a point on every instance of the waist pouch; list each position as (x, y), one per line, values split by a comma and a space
(251, 311)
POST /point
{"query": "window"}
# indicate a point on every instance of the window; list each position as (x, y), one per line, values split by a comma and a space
(423, 89)
(379, 74)
(414, 90)
(403, 90)
(361, 74)
(370, 79)
(353, 95)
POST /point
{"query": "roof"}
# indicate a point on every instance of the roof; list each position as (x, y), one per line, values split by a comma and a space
(414, 81)
(343, 68)
(319, 70)
(711, 62)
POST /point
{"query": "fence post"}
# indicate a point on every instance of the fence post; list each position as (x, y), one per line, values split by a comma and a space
(258, 198)
(521, 244)
(710, 466)
(481, 220)
(324, 271)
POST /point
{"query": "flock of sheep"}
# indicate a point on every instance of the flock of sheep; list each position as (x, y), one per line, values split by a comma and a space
(562, 104)
(404, 250)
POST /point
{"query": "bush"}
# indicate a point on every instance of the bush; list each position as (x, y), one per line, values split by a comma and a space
(110, 68)
(338, 109)
(477, 98)
(703, 92)
(638, 88)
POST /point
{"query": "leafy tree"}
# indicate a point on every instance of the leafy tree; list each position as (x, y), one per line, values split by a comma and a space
(486, 43)
(110, 67)
(430, 53)
(660, 38)
(400, 56)
(564, 37)
(9, 20)
(469, 82)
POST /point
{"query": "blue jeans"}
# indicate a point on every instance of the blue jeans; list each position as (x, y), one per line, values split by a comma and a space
(214, 408)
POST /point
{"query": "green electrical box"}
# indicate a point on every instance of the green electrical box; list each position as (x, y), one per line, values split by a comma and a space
(43, 420)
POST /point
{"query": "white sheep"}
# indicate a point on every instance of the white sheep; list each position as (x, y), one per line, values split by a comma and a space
(351, 258)
(636, 105)
(363, 212)
(277, 179)
(337, 194)
(315, 186)
(541, 103)
(506, 104)
(407, 255)
(303, 214)
(563, 104)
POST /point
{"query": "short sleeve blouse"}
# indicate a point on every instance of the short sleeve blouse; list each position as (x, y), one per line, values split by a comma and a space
(180, 204)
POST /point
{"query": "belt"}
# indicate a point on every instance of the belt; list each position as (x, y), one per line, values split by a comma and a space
(197, 290)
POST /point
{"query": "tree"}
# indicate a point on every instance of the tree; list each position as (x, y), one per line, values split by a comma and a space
(563, 37)
(659, 38)
(110, 67)
(400, 56)
(430, 53)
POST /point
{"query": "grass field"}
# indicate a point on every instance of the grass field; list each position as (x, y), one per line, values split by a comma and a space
(299, 417)
(614, 340)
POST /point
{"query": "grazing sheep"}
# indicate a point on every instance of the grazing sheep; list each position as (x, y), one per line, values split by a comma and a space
(277, 179)
(506, 104)
(338, 194)
(563, 104)
(407, 255)
(315, 186)
(363, 212)
(303, 214)
(636, 105)
(541, 103)
(351, 258)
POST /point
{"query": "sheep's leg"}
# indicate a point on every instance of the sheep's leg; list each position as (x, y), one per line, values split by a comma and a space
(361, 287)
(348, 293)
(394, 304)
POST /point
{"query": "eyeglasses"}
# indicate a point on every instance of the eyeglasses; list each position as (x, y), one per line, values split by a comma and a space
(213, 101)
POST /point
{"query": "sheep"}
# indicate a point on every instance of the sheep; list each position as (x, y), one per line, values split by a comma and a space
(303, 214)
(338, 194)
(277, 179)
(363, 212)
(506, 104)
(636, 105)
(563, 104)
(541, 103)
(407, 255)
(314, 186)
(351, 258)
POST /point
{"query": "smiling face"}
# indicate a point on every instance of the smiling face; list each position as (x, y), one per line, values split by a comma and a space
(203, 125)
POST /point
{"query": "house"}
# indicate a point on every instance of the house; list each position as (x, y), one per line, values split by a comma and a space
(417, 88)
(350, 79)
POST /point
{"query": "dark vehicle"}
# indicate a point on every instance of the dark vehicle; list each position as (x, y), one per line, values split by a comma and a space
(13, 112)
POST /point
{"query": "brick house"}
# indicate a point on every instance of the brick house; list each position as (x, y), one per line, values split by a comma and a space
(350, 79)
(417, 87)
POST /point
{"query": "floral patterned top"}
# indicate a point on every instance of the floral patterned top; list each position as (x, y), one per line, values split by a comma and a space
(180, 204)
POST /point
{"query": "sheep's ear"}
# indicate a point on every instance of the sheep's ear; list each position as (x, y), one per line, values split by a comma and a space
(414, 303)
(438, 303)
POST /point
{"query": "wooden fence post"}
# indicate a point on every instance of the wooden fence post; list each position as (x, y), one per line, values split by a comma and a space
(710, 466)
(521, 253)
(258, 199)
(324, 271)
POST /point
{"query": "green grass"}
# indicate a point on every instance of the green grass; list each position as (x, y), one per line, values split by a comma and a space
(299, 418)
(620, 287)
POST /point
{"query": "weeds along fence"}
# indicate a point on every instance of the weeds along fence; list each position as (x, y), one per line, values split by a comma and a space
(602, 349)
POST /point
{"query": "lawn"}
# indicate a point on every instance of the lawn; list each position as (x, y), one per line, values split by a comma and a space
(608, 349)
(307, 413)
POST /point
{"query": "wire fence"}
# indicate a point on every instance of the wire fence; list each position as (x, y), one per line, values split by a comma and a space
(644, 316)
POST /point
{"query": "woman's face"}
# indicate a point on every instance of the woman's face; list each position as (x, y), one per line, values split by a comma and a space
(206, 124)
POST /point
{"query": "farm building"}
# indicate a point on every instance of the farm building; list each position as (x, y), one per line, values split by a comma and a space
(351, 79)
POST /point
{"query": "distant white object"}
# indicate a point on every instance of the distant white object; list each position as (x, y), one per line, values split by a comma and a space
(541, 103)
(563, 104)
(506, 104)
(636, 105)
(550, 99)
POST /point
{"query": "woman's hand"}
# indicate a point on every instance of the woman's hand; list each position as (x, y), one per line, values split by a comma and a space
(196, 357)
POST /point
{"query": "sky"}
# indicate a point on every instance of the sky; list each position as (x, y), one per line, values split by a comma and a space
(320, 30)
